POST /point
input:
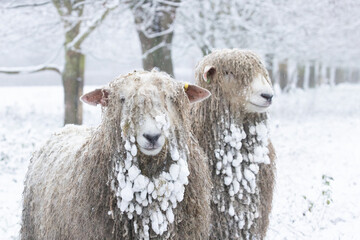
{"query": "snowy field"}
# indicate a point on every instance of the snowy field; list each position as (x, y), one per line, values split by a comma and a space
(316, 135)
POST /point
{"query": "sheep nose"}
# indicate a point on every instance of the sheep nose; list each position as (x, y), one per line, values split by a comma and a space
(267, 96)
(152, 138)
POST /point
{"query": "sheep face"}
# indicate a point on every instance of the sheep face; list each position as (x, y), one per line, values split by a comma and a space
(259, 95)
(241, 77)
(147, 104)
(150, 138)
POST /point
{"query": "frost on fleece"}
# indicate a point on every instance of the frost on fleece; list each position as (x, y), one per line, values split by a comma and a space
(94, 183)
(238, 170)
(151, 199)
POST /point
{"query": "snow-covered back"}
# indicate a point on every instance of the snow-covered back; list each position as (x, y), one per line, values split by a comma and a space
(315, 134)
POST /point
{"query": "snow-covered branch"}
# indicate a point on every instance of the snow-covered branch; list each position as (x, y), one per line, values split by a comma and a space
(28, 5)
(77, 41)
(31, 69)
(158, 34)
(153, 49)
(170, 3)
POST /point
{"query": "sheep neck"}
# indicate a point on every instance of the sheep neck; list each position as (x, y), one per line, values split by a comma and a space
(148, 188)
(152, 166)
(239, 147)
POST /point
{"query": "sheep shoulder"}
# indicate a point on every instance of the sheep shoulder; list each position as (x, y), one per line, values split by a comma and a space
(57, 183)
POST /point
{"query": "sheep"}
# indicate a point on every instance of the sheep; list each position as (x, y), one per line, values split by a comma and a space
(232, 130)
(139, 175)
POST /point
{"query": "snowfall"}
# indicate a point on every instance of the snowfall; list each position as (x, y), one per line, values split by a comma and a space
(316, 134)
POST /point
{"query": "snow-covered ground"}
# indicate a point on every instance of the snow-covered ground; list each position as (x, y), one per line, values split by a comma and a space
(316, 134)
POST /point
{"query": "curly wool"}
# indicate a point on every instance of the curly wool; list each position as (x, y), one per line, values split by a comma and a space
(240, 154)
(73, 185)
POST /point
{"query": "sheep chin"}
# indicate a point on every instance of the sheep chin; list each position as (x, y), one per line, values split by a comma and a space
(256, 108)
(150, 152)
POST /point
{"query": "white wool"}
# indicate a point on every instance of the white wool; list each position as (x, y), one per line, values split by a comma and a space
(222, 209)
(236, 186)
(136, 191)
(217, 154)
(150, 187)
(241, 223)
(174, 154)
(170, 215)
(133, 172)
(228, 171)
(140, 182)
(162, 122)
(127, 193)
(127, 146)
(133, 150)
(154, 222)
(131, 208)
(254, 168)
(123, 205)
(218, 166)
(231, 210)
(174, 171)
(227, 181)
(143, 195)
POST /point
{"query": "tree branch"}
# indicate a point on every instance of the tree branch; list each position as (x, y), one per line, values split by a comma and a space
(28, 5)
(31, 69)
(79, 39)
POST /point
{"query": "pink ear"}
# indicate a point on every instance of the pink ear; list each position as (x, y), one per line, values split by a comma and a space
(196, 93)
(95, 97)
(209, 71)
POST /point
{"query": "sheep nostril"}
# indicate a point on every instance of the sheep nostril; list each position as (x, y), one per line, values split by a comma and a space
(152, 138)
(267, 96)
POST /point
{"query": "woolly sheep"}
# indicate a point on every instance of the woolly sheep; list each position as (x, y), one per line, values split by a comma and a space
(139, 175)
(232, 129)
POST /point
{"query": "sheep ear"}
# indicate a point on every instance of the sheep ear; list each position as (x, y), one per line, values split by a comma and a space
(95, 97)
(209, 72)
(196, 93)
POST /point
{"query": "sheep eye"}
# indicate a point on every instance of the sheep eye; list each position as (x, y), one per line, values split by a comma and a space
(226, 72)
(122, 100)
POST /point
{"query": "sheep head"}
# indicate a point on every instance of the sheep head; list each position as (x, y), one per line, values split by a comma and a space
(147, 103)
(240, 75)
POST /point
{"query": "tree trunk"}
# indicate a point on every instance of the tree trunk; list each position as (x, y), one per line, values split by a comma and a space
(332, 76)
(292, 75)
(154, 21)
(161, 57)
(301, 74)
(313, 74)
(323, 78)
(306, 76)
(73, 82)
(283, 75)
(269, 59)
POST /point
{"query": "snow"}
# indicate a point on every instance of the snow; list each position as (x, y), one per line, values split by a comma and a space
(133, 172)
(315, 134)
(127, 194)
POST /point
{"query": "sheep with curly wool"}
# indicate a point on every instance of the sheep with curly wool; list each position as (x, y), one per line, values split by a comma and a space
(232, 129)
(139, 175)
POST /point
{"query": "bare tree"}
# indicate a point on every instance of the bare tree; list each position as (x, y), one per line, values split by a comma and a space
(76, 28)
